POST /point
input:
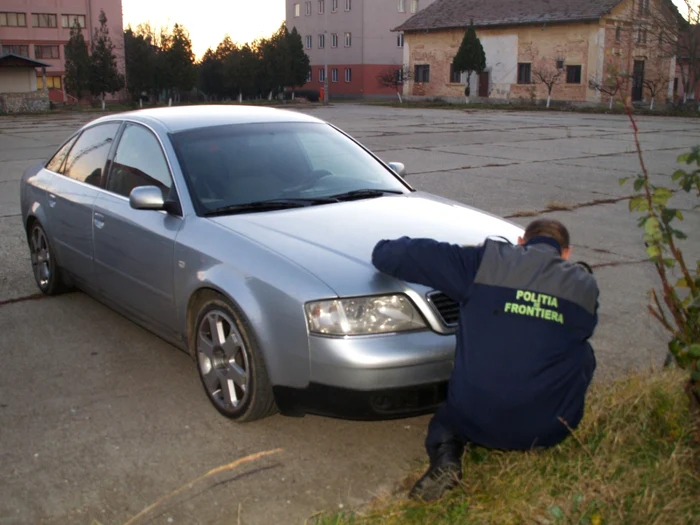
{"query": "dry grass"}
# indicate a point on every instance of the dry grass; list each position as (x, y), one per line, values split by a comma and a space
(634, 460)
(560, 206)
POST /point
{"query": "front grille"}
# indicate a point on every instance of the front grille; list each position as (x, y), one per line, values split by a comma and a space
(447, 309)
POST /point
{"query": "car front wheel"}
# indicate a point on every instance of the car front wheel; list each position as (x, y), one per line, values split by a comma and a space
(230, 364)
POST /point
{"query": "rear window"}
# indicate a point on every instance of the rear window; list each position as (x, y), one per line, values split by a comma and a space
(56, 162)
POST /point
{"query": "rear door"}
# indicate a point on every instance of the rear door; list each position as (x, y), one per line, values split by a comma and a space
(134, 249)
(71, 196)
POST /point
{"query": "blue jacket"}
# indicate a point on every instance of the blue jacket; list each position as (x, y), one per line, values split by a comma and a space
(523, 360)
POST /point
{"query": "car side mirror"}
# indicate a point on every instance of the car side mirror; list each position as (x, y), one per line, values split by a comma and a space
(146, 198)
(398, 167)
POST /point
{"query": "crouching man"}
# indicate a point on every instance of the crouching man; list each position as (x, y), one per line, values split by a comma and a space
(523, 363)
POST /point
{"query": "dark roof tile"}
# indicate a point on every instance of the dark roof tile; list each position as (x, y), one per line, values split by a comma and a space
(447, 14)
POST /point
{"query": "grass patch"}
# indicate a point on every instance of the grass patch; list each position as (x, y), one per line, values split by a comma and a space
(633, 460)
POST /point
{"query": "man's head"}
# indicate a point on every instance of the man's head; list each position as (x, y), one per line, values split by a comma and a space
(548, 228)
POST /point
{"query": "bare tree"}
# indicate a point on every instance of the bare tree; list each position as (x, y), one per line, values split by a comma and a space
(677, 33)
(654, 84)
(609, 86)
(395, 77)
(548, 75)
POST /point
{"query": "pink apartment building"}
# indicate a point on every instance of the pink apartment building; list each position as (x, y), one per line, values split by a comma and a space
(357, 39)
(39, 29)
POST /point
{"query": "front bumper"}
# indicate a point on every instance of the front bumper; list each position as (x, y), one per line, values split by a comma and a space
(373, 377)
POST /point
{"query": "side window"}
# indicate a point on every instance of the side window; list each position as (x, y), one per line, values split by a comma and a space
(139, 162)
(57, 160)
(86, 161)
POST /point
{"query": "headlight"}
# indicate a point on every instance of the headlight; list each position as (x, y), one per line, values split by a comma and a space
(363, 315)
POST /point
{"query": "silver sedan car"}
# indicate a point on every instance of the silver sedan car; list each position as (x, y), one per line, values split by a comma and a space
(243, 236)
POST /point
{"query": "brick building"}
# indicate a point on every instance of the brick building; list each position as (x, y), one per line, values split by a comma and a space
(39, 29)
(584, 40)
(355, 37)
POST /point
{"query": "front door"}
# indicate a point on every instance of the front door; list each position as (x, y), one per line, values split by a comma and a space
(484, 84)
(134, 249)
(638, 81)
(72, 195)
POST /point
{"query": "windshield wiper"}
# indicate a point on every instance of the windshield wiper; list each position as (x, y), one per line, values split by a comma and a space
(363, 194)
(269, 205)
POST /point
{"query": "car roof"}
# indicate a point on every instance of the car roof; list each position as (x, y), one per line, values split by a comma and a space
(182, 118)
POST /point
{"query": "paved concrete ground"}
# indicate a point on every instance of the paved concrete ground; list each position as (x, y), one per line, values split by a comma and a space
(99, 419)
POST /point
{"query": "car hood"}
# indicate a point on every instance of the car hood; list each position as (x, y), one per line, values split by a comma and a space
(335, 241)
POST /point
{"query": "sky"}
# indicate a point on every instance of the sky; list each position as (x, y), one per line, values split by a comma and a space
(208, 21)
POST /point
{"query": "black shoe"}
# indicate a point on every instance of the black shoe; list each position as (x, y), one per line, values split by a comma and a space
(436, 482)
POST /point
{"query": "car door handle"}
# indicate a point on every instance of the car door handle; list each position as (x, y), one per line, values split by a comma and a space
(52, 200)
(99, 220)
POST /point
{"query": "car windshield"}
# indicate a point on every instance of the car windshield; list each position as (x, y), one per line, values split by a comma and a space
(235, 165)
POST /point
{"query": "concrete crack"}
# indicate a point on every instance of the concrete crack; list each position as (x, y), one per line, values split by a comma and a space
(571, 207)
(619, 263)
(24, 299)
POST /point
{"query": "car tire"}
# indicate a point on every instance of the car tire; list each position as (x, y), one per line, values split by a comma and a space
(47, 273)
(229, 361)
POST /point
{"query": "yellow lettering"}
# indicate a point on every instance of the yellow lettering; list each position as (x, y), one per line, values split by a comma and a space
(555, 303)
(519, 295)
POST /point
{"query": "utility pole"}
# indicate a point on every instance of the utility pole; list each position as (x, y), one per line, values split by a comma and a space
(325, 53)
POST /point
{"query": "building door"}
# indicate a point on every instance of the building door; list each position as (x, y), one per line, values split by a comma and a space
(484, 84)
(638, 81)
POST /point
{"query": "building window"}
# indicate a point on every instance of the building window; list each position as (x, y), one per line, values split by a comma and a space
(334, 6)
(524, 71)
(51, 83)
(348, 5)
(322, 75)
(310, 76)
(321, 41)
(334, 40)
(348, 39)
(402, 6)
(17, 49)
(46, 52)
(422, 73)
(43, 20)
(321, 6)
(643, 7)
(618, 34)
(13, 20)
(334, 74)
(414, 6)
(72, 20)
(297, 10)
(308, 8)
(455, 76)
(642, 36)
(573, 74)
(399, 40)
(348, 74)
(309, 41)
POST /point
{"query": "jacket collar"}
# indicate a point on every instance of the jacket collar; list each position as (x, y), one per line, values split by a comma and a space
(542, 240)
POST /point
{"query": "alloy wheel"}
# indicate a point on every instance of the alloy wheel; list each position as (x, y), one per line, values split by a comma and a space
(41, 257)
(223, 360)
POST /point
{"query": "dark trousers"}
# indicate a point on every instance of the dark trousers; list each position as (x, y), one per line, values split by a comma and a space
(444, 444)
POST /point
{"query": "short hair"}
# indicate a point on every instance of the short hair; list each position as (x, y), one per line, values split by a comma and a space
(548, 228)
